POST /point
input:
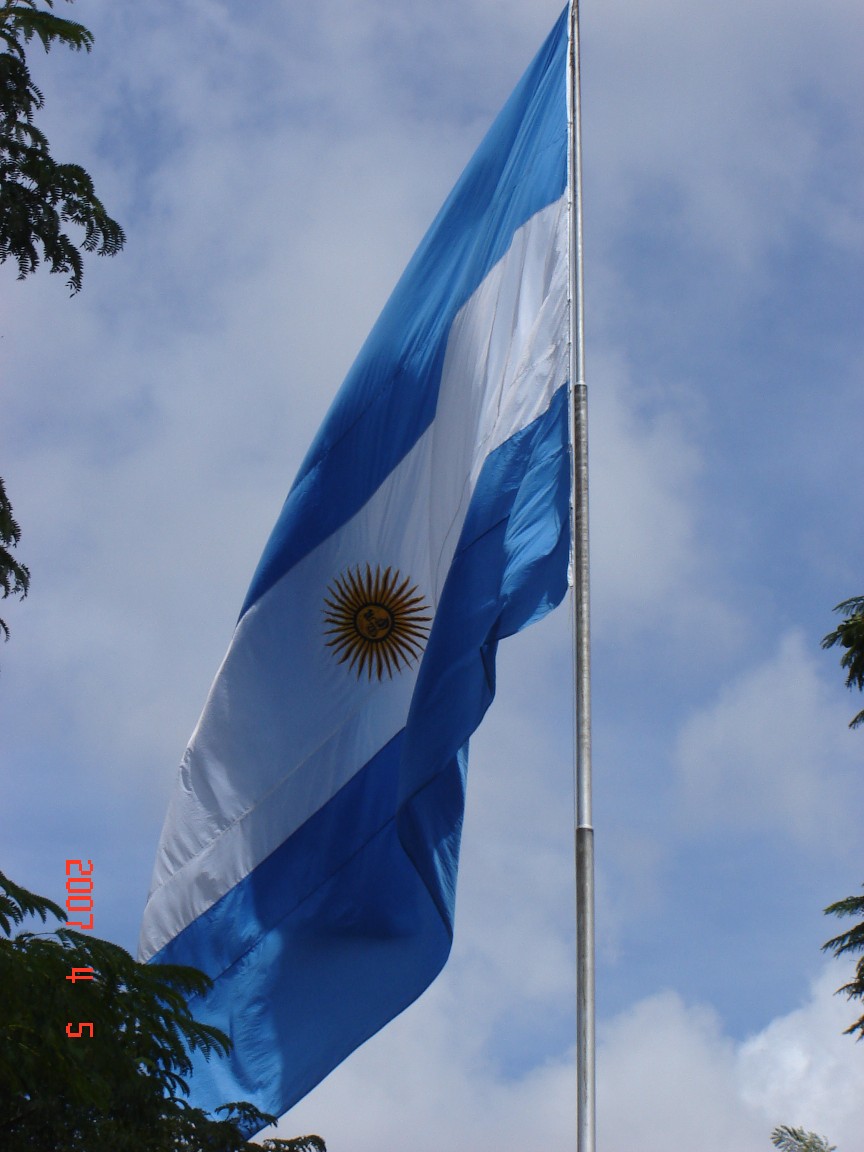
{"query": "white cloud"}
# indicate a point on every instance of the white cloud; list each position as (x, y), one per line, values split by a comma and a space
(652, 560)
(668, 1077)
(737, 159)
(773, 752)
(645, 469)
(666, 1080)
(803, 1071)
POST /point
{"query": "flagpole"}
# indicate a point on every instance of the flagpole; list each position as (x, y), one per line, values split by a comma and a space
(585, 1042)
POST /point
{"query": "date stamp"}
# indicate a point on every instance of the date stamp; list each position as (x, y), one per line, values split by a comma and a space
(79, 900)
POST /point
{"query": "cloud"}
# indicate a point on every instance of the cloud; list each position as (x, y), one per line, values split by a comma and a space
(644, 501)
(803, 1069)
(740, 161)
(772, 752)
(667, 1077)
(666, 1080)
(654, 571)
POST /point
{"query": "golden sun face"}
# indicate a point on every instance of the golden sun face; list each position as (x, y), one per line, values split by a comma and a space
(377, 623)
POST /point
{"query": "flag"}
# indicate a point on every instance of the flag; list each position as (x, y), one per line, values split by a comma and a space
(309, 856)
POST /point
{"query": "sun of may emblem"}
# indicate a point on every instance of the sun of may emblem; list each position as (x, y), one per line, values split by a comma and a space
(377, 623)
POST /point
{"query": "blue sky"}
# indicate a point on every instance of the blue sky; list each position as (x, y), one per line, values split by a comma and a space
(274, 166)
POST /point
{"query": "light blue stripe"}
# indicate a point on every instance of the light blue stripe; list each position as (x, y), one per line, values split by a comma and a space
(350, 919)
(389, 396)
(333, 935)
(509, 570)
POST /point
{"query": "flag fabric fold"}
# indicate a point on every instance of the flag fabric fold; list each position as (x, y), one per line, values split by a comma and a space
(309, 857)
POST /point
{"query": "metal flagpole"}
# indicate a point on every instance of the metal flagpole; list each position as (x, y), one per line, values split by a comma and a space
(585, 1058)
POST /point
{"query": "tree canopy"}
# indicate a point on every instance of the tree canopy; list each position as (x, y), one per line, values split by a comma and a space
(14, 576)
(850, 941)
(95, 1047)
(797, 1140)
(39, 197)
(850, 635)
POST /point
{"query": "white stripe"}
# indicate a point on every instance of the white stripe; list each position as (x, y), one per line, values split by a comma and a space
(280, 692)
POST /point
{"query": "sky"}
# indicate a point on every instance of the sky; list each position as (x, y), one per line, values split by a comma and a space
(274, 166)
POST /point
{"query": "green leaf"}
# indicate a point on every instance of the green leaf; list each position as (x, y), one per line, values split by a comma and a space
(16, 904)
(851, 940)
(40, 197)
(850, 635)
(797, 1140)
(14, 576)
(29, 22)
(123, 1090)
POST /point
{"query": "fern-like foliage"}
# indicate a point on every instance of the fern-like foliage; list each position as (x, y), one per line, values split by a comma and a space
(21, 20)
(852, 941)
(123, 1089)
(14, 576)
(296, 1144)
(16, 904)
(243, 1114)
(850, 634)
(39, 198)
(797, 1140)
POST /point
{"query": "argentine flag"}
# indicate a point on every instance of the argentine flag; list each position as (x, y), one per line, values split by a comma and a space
(309, 855)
